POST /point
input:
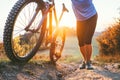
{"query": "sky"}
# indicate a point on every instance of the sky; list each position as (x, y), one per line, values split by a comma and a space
(107, 12)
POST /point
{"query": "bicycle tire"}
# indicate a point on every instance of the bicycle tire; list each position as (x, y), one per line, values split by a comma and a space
(55, 53)
(13, 53)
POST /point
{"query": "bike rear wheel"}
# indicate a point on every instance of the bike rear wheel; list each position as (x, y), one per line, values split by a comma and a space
(21, 45)
(57, 44)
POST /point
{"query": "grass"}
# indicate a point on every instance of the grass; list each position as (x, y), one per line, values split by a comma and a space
(69, 58)
(108, 59)
(70, 53)
(3, 57)
(64, 58)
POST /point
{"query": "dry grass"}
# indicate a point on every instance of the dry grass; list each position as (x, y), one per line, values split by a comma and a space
(3, 57)
(64, 58)
(109, 59)
(39, 57)
(1, 47)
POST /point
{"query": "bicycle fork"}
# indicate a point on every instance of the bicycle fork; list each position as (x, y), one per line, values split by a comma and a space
(64, 9)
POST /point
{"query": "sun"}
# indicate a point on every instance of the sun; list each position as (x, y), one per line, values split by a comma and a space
(68, 18)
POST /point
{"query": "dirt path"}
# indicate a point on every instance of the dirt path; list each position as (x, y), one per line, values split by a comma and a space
(46, 71)
(97, 74)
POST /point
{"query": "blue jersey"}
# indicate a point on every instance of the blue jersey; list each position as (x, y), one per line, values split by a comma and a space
(83, 9)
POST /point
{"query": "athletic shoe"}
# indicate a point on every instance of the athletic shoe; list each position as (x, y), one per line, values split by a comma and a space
(83, 65)
(89, 65)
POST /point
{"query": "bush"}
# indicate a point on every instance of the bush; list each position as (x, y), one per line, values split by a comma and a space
(109, 41)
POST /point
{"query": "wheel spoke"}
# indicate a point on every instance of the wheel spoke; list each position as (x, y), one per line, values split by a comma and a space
(26, 41)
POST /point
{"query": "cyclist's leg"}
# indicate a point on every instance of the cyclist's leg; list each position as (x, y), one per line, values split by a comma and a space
(91, 25)
(85, 31)
(81, 30)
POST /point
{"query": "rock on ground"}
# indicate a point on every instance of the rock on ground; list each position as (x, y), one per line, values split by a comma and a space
(61, 71)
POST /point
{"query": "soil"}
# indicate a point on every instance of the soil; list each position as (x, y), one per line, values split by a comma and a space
(44, 70)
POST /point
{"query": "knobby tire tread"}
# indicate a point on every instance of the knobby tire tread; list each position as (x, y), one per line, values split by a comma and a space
(8, 29)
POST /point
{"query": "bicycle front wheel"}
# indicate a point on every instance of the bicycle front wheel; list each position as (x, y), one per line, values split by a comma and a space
(20, 44)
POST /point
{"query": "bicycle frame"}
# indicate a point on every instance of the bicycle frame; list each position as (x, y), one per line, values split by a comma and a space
(14, 31)
(49, 7)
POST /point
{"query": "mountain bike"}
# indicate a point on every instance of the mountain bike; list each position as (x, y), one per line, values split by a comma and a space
(29, 28)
